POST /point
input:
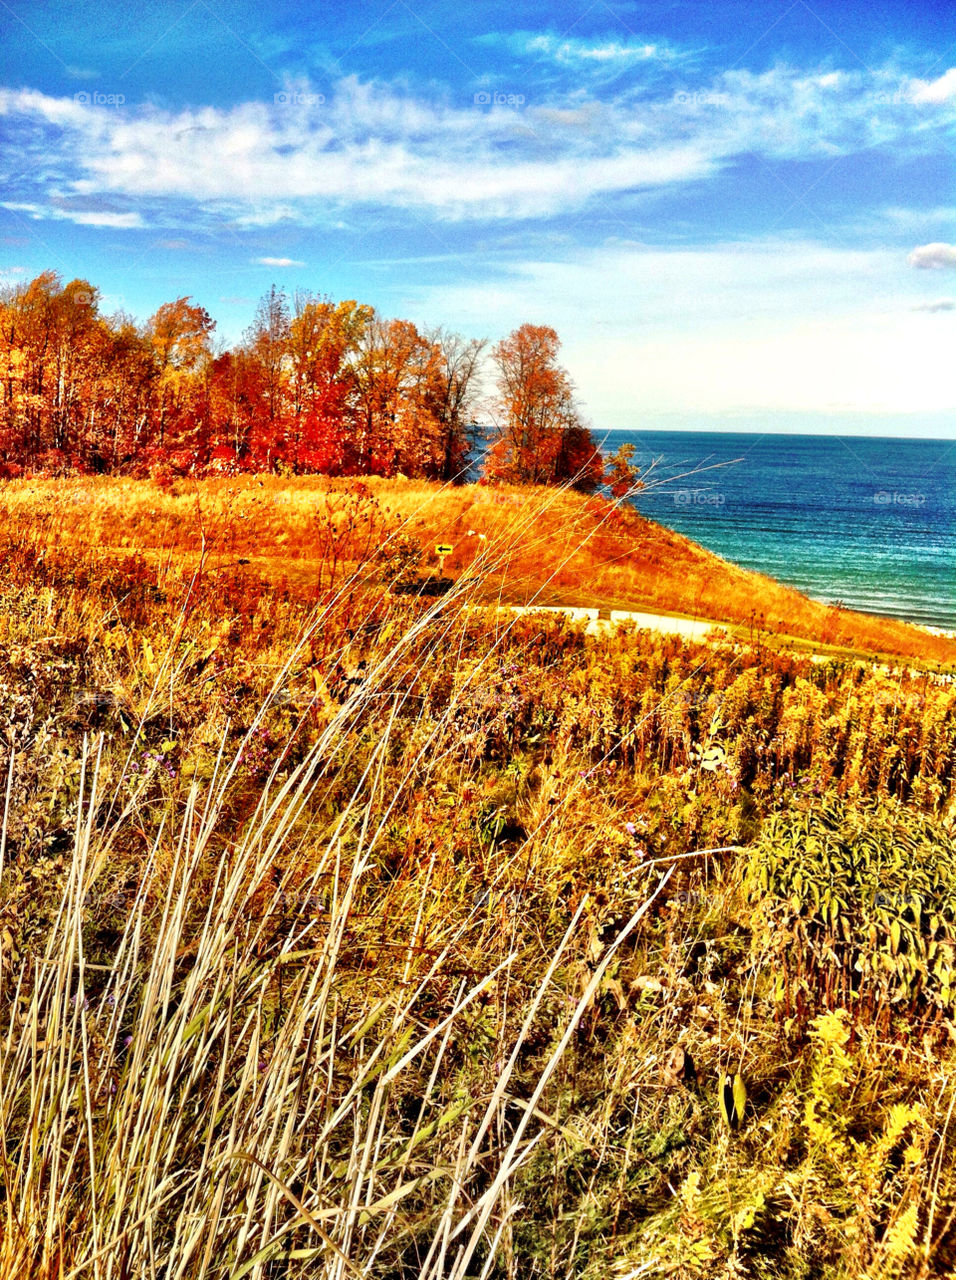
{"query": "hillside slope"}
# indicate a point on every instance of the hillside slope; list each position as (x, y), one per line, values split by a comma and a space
(524, 544)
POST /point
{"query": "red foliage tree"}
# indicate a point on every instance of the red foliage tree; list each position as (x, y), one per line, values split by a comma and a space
(315, 386)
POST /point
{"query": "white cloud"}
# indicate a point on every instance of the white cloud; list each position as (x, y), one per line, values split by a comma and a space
(279, 262)
(933, 256)
(941, 304)
(909, 220)
(366, 144)
(368, 147)
(23, 206)
(82, 216)
(931, 91)
(123, 221)
(761, 327)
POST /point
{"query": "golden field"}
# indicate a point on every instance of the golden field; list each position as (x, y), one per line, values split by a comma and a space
(352, 934)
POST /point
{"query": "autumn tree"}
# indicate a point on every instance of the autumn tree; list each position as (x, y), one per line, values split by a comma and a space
(178, 334)
(267, 343)
(237, 393)
(394, 427)
(79, 346)
(33, 335)
(316, 385)
(29, 324)
(54, 367)
(324, 338)
(622, 475)
(540, 437)
(412, 427)
(453, 395)
(122, 415)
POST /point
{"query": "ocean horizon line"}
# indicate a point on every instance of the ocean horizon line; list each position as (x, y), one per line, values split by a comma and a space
(601, 433)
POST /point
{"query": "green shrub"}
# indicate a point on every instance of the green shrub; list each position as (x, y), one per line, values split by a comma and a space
(854, 904)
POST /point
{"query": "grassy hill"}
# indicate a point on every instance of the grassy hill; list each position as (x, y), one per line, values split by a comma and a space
(549, 546)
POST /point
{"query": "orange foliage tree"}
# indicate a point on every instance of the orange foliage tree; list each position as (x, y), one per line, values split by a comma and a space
(58, 357)
(541, 438)
(178, 335)
(315, 385)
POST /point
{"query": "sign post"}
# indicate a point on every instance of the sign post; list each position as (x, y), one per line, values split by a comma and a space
(443, 549)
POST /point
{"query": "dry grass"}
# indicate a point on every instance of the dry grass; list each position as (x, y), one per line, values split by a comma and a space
(551, 546)
(302, 976)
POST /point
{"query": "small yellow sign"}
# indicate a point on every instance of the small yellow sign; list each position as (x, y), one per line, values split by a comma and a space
(443, 549)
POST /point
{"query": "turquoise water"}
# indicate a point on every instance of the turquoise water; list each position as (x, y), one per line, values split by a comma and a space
(867, 521)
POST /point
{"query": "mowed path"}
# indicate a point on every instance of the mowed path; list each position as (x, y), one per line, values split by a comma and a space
(669, 624)
(699, 628)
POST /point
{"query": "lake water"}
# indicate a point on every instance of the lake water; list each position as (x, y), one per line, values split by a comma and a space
(867, 521)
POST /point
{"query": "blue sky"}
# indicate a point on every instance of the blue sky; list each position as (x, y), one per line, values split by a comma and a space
(736, 215)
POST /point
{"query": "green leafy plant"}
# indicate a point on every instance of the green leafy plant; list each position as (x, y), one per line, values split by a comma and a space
(854, 904)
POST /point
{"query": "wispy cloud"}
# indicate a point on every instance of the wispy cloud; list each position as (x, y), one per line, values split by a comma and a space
(908, 219)
(307, 156)
(279, 262)
(85, 217)
(577, 51)
(119, 221)
(941, 304)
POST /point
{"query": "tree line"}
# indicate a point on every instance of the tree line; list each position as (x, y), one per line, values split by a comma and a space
(315, 385)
